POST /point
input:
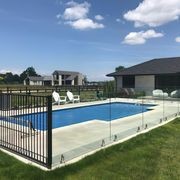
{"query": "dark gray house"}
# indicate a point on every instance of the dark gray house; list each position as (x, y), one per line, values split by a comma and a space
(58, 78)
(67, 78)
(154, 74)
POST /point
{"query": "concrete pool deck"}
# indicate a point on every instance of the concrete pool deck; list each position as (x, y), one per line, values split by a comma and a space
(79, 136)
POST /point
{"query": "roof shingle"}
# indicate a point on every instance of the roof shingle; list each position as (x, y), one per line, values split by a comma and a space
(65, 72)
(152, 67)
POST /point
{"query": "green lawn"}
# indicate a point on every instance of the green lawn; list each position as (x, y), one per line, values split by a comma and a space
(155, 155)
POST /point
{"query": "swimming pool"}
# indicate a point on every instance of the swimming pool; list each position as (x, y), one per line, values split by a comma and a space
(70, 116)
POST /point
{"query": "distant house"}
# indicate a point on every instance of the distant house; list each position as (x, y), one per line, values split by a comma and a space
(58, 78)
(154, 74)
(38, 81)
(67, 78)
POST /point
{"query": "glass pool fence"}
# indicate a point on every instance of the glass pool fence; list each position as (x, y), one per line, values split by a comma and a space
(52, 135)
(117, 117)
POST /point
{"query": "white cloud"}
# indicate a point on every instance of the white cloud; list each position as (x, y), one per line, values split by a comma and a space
(4, 71)
(120, 21)
(85, 24)
(177, 39)
(76, 11)
(76, 15)
(141, 37)
(154, 12)
(58, 16)
(99, 17)
(71, 3)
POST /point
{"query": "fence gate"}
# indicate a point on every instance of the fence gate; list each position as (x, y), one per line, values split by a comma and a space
(26, 126)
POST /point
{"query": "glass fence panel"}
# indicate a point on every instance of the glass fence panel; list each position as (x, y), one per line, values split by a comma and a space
(80, 128)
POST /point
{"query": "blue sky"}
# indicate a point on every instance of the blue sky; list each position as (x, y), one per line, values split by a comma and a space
(92, 37)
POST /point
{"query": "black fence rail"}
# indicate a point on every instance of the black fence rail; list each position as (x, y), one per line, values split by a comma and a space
(26, 126)
(48, 89)
(86, 93)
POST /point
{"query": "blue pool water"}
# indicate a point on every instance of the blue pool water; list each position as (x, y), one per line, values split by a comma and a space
(105, 112)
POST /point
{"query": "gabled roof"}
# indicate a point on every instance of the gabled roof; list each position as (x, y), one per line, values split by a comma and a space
(35, 78)
(40, 78)
(71, 77)
(65, 72)
(152, 67)
(47, 78)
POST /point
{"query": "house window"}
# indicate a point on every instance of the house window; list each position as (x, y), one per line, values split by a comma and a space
(129, 81)
(171, 81)
(68, 82)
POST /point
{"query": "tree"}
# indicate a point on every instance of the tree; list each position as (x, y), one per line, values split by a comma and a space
(16, 78)
(30, 71)
(1, 80)
(11, 78)
(8, 78)
(119, 68)
(109, 88)
(85, 79)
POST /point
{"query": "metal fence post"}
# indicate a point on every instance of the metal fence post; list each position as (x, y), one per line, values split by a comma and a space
(142, 104)
(79, 90)
(110, 117)
(49, 129)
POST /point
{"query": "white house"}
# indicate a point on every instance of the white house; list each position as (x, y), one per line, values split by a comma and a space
(38, 80)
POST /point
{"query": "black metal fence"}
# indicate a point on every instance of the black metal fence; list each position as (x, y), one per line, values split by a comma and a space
(49, 89)
(87, 92)
(26, 126)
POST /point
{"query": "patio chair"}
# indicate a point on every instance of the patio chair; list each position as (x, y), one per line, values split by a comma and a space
(159, 93)
(58, 99)
(131, 91)
(73, 98)
(175, 94)
(123, 92)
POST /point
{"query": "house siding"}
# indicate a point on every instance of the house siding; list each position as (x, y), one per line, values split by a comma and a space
(80, 79)
(35, 83)
(119, 83)
(60, 80)
(145, 83)
(142, 83)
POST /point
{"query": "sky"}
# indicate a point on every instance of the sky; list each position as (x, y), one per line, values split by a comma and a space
(92, 36)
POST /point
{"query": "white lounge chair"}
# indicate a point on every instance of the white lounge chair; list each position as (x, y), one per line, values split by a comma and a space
(58, 99)
(73, 98)
(159, 93)
(175, 94)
